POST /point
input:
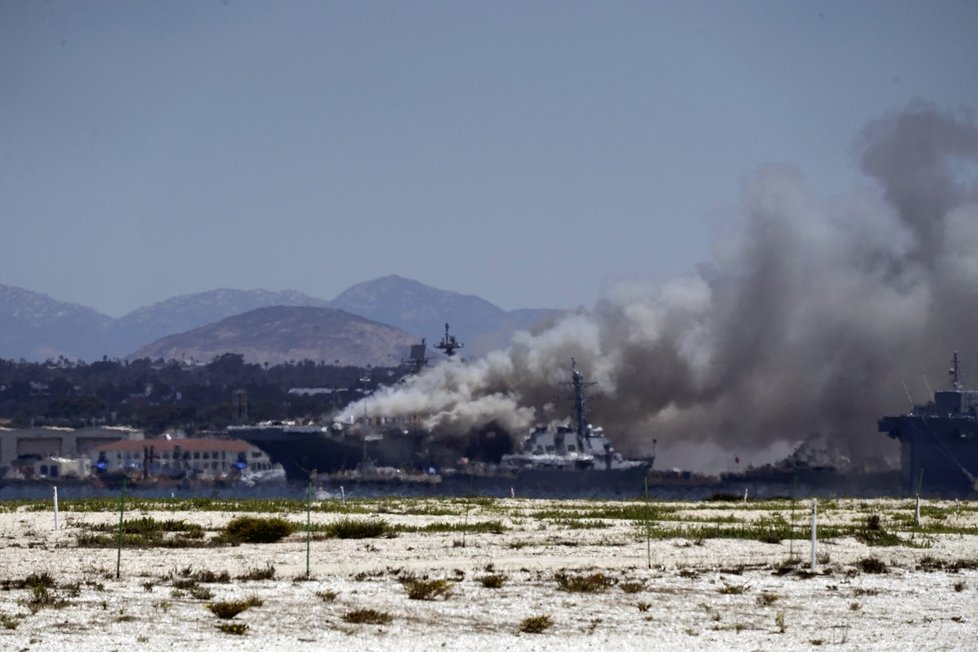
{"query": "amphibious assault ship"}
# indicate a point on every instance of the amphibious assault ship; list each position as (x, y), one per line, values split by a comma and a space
(939, 440)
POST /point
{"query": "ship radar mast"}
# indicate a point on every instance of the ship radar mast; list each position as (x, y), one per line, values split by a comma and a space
(955, 373)
(448, 343)
(580, 409)
(418, 358)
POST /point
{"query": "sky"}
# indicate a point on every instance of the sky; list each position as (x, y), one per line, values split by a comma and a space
(532, 153)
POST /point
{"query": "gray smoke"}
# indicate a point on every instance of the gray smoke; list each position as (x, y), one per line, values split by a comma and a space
(809, 321)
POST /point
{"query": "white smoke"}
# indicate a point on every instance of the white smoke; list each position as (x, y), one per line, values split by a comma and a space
(809, 320)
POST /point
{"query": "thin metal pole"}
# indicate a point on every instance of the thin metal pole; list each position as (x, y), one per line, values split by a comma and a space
(308, 524)
(648, 527)
(122, 511)
(55, 507)
(814, 534)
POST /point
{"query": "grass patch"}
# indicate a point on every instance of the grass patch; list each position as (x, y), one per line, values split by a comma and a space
(327, 596)
(536, 624)
(593, 583)
(493, 581)
(251, 529)
(230, 609)
(348, 528)
(367, 617)
(238, 629)
(420, 589)
(258, 574)
(632, 587)
(872, 565)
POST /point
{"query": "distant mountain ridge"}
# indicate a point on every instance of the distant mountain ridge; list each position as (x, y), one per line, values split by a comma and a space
(36, 327)
(279, 334)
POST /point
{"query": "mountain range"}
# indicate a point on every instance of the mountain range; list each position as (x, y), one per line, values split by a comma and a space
(260, 324)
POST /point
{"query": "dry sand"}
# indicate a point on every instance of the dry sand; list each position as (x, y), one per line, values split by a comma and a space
(684, 602)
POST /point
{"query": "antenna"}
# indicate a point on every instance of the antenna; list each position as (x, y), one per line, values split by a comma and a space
(909, 397)
(954, 372)
(448, 343)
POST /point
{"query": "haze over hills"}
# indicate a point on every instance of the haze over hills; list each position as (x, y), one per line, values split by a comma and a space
(279, 334)
(36, 327)
(423, 311)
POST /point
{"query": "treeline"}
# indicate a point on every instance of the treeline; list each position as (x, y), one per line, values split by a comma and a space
(158, 396)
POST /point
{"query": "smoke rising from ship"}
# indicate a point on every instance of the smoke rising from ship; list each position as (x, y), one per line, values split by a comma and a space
(809, 320)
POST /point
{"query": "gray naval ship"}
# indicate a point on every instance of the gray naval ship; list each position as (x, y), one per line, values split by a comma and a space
(575, 446)
(939, 440)
(574, 459)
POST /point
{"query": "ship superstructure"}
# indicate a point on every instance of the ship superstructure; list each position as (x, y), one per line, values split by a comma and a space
(577, 445)
(939, 439)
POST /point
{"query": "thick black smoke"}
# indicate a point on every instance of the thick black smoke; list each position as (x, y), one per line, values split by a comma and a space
(810, 319)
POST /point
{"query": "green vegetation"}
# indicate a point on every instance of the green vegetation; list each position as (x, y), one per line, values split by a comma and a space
(230, 609)
(536, 624)
(251, 529)
(258, 574)
(144, 532)
(348, 528)
(421, 589)
(238, 629)
(494, 581)
(367, 617)
(593, 583)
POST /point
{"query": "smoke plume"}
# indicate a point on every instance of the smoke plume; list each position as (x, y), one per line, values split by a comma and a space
(811, 318)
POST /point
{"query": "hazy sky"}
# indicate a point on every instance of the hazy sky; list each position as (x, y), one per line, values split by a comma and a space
(528, 152)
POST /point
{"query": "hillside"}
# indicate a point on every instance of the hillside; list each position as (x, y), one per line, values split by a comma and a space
(281, 333)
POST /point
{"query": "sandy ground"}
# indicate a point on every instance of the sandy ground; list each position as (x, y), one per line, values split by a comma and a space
(705, 594)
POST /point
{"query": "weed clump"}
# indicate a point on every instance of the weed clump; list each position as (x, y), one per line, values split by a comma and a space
(872, 565)
(238, 629)
(230, 609)
(593, 583)
(536, 624)
(349, 528)
(251, 529)
(632, 587)
(494, 581)
(258, 574)
(419, 589)
(367, 617)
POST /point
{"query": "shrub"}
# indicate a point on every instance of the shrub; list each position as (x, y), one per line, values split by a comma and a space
(257, 574)
(872, 565)
(367, 617)
(494, 581)
(632, 587)
(348, 528)
(536, 624)
(593, 583)
(250, 529)
(327, 596)
(238, 629)
(230, 609)
(418, 589)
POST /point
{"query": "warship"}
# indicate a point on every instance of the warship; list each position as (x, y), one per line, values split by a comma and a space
(939, 440)
(570, 459)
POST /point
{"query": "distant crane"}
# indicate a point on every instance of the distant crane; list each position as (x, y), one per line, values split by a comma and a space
(448, 343)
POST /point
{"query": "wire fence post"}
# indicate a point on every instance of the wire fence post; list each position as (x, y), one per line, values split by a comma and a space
(648, 527)
(308, 524)
(56, 507)
(122, 511)
(814, 534)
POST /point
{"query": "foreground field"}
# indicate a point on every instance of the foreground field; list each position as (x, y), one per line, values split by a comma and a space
(501, 574)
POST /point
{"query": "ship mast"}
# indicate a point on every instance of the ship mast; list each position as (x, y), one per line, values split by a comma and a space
(954, 373)
(580, 411)
(448, 343)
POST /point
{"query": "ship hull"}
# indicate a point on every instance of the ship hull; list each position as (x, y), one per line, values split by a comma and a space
(943, 448)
